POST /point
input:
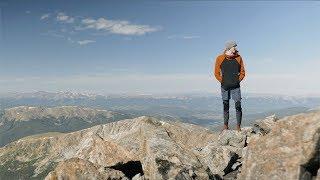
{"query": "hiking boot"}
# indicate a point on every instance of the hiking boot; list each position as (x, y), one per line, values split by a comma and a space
(225, 127)
(238, 128)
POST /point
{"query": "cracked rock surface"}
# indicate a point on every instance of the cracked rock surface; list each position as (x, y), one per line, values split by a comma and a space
(147, 148)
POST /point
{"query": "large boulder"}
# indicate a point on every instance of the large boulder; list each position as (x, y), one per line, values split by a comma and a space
(290, 150)
(160, 150)
(223, 155)
(264, 126)
(76, 168)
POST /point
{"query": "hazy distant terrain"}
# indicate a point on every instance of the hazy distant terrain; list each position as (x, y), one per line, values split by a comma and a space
(22, 121)
(200, 109)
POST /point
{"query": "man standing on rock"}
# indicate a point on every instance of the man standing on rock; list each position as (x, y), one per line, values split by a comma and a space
(229, 71)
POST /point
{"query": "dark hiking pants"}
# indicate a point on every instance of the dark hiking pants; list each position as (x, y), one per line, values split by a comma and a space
(236, 96)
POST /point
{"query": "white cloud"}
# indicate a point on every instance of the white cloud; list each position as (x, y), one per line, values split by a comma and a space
(85, 42)
(53, 34)
(88, 21)
(122, 27)
(190, 37)
(28, 12)
(183, 37)
(62, 17)
(45, 16)
(117, 26)
(70, 40)
(72, 25)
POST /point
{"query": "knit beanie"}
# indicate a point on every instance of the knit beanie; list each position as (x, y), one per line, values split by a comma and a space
(230, 44)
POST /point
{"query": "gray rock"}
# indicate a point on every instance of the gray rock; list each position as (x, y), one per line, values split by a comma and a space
(291, 150)
(232, 138)
(138, 177)
(264, 126)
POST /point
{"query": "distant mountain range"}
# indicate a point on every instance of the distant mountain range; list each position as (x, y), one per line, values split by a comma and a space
(22, 121)
(53, 95)
(201, 109)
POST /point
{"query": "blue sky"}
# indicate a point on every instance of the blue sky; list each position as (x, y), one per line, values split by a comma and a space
(157, 46)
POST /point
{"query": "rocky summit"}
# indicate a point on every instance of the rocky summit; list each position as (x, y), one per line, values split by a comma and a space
(148, 148)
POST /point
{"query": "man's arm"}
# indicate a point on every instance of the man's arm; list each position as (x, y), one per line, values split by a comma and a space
(217, 69)
(242, 70)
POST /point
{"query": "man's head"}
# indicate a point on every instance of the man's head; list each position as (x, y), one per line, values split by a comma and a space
(230, 48)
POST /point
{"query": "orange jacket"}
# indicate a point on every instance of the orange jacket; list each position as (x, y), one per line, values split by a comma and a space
(219, 60)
